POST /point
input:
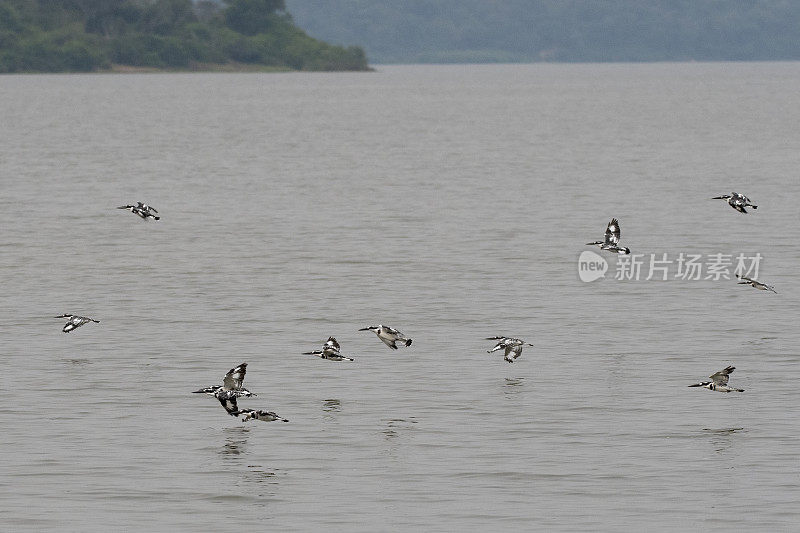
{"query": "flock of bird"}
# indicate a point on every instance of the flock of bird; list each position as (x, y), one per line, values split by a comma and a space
(232, 386)
(739, 202)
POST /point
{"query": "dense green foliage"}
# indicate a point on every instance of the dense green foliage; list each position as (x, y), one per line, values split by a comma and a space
(557, 30)
(87, 35)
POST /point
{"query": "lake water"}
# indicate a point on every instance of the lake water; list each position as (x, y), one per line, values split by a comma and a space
(451, 202)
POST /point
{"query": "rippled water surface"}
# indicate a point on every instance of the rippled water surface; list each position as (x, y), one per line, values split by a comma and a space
(449, 202)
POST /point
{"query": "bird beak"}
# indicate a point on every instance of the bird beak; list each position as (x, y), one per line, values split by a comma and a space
(198, 391)
(696, 385)
(718, 198)
(364, 329)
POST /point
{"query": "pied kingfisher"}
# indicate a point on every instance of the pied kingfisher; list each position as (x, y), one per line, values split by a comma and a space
(144, 211)
(232, 382)
(737, 201)
(329, 351)
(611, 242)
(757, 284)
(719, 381)
(264, 416)
(75, 321)
(231, 389)
(512, 346)
(388, 335)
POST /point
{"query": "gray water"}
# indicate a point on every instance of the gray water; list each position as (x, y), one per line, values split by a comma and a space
(449, 202)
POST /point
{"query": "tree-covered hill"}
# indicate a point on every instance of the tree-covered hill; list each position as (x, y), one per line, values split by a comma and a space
(89, 35)
(448, 31)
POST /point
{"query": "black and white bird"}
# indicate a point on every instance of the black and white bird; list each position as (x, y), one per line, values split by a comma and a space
(737, 201)
(231, 386)
(232, 389)
(330, 351)
(611, 241)
(503, 342)
(389, 336)
(756, 284)
(264, 416)
(512, 346)
(143, 211)
(512, 352)
(75, 321)
(719, 381)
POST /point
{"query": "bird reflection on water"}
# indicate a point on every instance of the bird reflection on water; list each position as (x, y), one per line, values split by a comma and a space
(513, 382)
(723, 438)
(513, 386)
(394, 426)
(79, 362)
(235, 441)
(332, 405)
(236, 453)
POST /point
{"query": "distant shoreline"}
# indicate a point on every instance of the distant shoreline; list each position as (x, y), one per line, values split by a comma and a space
(231, 67)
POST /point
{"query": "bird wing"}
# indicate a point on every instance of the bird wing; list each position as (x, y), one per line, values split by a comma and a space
(721, 377)
(390, 343)
(234, 378)
(513, 351)
(745, 279)
(393, 331)
(228, 401)
(331, 344)
(502, 342)
(612, 232)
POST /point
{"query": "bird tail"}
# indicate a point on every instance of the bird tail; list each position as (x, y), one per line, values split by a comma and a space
(408, 342)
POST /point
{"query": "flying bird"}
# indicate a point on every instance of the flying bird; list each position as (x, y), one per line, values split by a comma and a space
(232, 389)
(143, 211)
(329, 351)
(737, 201)
(512, 346)
(75, 321)
(264, 416)
(389, 336)
(503, 341)
(611, 241)
(719, 381)
(756, 284)
(232, 383)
